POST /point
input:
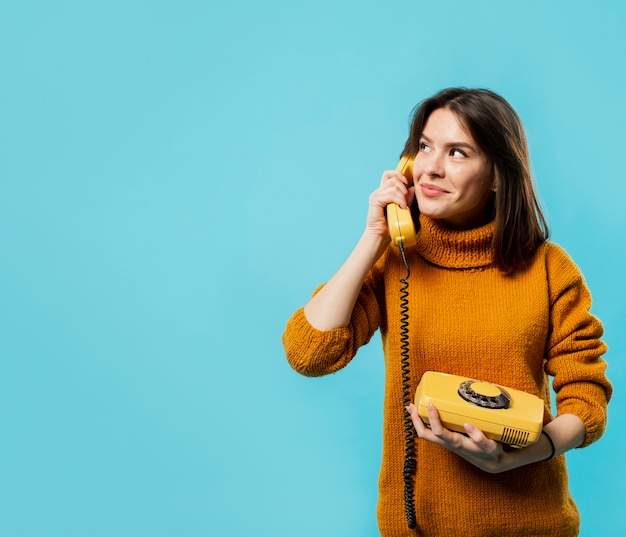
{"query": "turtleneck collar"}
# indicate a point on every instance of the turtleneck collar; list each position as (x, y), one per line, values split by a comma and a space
(454, 249)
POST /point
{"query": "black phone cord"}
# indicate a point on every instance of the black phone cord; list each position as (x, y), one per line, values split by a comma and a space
(410, 462)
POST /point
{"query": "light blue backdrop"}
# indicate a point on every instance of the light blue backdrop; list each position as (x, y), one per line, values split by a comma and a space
(177, 177)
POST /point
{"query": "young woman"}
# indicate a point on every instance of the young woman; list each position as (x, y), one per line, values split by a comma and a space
(489, 299)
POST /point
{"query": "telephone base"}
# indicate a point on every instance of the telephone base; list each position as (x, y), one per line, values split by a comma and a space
(516, 422)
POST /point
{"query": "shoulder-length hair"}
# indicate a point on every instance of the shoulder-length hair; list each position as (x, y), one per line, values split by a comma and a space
(520, 226)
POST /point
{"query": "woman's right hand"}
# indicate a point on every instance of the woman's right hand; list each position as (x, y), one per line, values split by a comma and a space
(394, 188)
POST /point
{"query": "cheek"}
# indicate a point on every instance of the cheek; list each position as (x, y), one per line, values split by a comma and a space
(418, 170)
(473, 185)
(476, 192)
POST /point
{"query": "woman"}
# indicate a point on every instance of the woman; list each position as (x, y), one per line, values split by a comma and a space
(489, 299)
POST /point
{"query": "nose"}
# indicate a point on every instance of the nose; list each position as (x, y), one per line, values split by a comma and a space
(434, 164)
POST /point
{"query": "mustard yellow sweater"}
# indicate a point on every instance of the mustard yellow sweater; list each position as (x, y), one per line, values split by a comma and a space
(469, 319)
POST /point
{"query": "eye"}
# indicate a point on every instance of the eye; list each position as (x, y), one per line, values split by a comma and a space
(423, 147)
(457, 153)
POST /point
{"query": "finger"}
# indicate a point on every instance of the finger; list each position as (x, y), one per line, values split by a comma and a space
(393, 175)
(476, 435)
(394, 191)
(435, 421)
(419, 425)
(410, 196)
(443, 435)
(389, 194)
(479, 438)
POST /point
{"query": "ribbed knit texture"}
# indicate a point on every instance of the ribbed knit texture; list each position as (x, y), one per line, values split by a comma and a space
(469, 319)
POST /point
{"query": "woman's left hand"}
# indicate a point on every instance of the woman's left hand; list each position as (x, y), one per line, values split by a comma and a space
(476, 448)
(567, 431)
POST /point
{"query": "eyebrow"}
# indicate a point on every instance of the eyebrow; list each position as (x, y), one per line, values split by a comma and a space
(451, 144)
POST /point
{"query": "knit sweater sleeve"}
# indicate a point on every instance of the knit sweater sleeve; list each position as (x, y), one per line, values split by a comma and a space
(575, 350)
(314, 352)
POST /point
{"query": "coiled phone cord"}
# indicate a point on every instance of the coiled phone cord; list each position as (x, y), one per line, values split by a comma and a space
(410, 462)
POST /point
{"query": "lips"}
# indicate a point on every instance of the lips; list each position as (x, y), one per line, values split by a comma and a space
(432, 191)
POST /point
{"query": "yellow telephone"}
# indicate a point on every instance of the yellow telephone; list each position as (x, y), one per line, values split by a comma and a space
(400, 222)
(509, 416)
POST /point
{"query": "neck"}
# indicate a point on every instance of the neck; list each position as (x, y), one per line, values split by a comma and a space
(447, 247)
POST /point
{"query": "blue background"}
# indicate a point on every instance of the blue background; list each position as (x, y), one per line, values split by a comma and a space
(177, 177)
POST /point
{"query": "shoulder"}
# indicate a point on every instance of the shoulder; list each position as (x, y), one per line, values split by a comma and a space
(558, 261)
(563, 275)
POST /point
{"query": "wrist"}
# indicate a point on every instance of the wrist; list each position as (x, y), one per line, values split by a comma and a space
(551, 445)
(374, 243)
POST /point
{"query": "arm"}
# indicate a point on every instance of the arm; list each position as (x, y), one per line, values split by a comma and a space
(574, 348)
(332, 307)
(324, 336)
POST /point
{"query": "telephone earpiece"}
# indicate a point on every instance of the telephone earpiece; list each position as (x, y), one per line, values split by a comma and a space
(402, 229)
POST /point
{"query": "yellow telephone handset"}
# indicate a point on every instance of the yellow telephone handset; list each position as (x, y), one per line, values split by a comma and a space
(400, 222)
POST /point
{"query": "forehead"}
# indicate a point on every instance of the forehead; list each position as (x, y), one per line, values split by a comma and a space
(444, 125)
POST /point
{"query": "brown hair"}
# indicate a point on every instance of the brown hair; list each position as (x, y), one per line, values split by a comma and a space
(520, 226)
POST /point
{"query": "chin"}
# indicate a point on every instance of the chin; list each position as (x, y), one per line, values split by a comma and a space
(432, 212)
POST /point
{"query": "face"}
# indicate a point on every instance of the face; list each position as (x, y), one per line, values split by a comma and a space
(452, 175)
